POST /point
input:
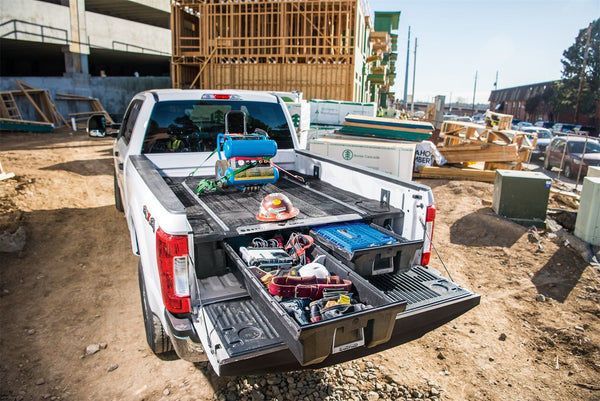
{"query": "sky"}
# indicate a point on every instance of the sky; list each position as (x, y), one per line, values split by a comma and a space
(522, 40)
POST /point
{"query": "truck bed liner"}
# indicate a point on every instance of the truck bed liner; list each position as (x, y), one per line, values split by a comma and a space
(241, 326)
(232, 212)
(417, 287)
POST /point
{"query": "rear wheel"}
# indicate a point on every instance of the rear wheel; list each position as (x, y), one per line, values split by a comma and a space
(568, 171)
(157, 338)
(118, 200)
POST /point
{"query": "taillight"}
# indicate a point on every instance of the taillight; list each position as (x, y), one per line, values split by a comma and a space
(172, 257)
(429, 219)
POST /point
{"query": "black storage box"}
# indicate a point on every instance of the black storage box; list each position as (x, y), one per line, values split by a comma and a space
(314, 342)
(367, 249)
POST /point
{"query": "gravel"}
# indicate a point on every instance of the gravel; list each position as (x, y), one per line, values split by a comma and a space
(357, 380)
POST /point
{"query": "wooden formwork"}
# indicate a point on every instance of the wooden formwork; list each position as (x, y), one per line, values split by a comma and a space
(304, 45)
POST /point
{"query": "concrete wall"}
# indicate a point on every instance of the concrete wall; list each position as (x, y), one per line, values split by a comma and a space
(37, 12)
(102, 30)
(163, 5)
(114, 92)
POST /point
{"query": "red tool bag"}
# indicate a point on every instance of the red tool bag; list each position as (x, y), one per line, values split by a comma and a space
(307, 287)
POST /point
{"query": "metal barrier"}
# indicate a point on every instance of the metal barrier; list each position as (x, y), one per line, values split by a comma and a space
(42, 31)
(141, 49)
(49, 34)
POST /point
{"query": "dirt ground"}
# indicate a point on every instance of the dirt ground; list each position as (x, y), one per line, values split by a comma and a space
(535, 335)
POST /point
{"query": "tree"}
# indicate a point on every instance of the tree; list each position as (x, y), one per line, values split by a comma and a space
(567, 88)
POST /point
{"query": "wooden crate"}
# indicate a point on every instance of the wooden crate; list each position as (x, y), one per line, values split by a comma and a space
(498, 121)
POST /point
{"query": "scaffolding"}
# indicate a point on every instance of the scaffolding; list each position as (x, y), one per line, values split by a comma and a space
(316, 47)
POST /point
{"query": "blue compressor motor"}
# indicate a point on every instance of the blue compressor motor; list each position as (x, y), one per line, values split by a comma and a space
(250, 151)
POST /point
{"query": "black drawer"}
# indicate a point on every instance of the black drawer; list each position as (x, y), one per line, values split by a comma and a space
(313, 342)
(374, 259)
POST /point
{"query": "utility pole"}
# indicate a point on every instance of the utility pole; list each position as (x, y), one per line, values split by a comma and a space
(474, 90)
(406, 73)
(585, 56)
(412, 105)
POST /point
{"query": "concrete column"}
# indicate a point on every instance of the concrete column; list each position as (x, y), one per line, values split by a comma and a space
(76, 55)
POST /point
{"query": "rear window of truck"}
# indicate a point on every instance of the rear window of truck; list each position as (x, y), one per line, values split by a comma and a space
(193, 125)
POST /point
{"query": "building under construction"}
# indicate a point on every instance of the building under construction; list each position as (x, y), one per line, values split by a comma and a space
(326, 49)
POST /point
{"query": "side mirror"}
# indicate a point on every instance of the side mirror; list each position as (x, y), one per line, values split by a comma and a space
(96, 126)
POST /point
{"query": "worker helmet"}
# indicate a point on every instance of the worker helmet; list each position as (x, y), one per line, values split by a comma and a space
(276, 207)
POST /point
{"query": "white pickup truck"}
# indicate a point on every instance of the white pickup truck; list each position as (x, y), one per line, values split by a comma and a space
(219, 282)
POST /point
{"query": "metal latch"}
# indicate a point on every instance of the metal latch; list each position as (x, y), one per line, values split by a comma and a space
(384, 198)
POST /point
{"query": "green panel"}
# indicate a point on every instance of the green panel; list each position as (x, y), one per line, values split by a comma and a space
(386, 21)
(375, 77)
(521, 195)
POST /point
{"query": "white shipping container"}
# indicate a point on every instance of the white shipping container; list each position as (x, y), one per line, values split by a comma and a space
(395, 158)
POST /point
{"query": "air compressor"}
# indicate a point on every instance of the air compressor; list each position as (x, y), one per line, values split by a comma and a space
(244, 160)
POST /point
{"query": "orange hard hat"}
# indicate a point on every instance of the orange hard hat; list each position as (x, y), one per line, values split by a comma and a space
(276, 207)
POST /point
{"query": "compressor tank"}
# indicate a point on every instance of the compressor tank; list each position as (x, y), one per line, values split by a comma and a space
(249, 147)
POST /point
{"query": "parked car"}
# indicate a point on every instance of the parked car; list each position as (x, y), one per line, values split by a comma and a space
(543, 124)
(514, 123)
(523, 124)
(478, 118)
(562, 128)
(465, 119)
(574, 156)
(544, 136)
(586, 130)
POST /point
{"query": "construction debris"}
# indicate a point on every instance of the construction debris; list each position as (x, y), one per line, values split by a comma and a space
(494, 144)
(82, 117)
(48, 116)
(47, 113)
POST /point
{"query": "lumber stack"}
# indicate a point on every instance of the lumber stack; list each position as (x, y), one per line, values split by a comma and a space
(498, 147)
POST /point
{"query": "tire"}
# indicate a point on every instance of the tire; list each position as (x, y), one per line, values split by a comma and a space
(118, 200)
(157, 338)
(568, 171)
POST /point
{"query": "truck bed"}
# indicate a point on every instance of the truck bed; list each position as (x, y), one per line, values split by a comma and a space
(231, 212)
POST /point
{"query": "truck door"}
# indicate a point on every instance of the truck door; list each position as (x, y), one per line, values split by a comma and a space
(120, 148)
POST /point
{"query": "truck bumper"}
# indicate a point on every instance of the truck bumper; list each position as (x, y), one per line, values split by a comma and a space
(185, 341)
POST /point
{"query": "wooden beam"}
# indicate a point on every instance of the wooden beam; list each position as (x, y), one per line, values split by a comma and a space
(41, 113)
(455, 173)
(214, 50)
